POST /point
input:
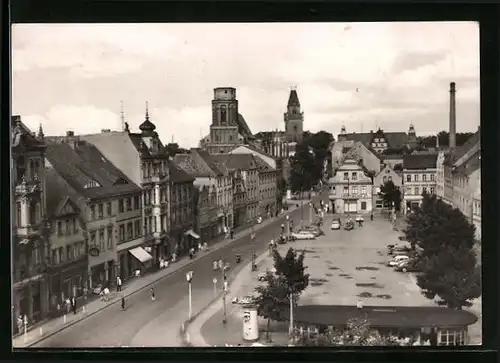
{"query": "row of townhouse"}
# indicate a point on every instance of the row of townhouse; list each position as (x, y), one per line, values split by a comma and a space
(459, 179)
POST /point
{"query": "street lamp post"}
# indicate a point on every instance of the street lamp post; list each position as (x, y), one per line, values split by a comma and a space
(252, 241)
(189, 278)
(215, 286)
(291, 316)
(310, 212)
(287, 226)
(224, 293)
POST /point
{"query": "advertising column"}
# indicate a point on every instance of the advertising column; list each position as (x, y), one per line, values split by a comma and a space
(250, 323)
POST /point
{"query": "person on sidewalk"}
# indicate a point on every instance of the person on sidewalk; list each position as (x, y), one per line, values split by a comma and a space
(152, 291)
(123, 303)
(231, 233)
(73, 305)
(118, 284)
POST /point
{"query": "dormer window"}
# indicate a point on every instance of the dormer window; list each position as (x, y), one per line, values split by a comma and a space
(92, 184)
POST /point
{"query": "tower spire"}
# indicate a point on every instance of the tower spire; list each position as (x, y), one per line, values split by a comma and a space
(147, 111)
(40, 132)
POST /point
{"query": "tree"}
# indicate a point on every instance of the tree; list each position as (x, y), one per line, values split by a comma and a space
(356, 333)
(446, 257)
(391, 195)
(292, 269)
(173, 149)
(272, 299)
(303, 169)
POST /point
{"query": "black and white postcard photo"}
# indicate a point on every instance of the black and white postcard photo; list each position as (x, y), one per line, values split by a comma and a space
(245, 185)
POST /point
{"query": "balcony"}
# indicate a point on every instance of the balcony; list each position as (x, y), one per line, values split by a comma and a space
(354, 195)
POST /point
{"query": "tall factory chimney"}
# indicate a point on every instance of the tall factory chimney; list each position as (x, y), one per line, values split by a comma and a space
(453, 119)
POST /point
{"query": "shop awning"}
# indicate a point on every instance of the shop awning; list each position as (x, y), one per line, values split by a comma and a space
(191, 233)
(141, 254)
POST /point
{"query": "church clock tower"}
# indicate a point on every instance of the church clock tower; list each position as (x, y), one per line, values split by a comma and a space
(224, 127)
(294, 118)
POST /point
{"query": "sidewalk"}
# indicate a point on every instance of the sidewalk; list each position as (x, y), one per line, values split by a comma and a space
(51, 327)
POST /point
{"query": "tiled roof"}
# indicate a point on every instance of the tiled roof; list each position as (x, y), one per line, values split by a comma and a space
(262, 165)
(84, 164)
(384, 316)
(177, 175)
(471, 165)
(243, 128)
(456, 154)
(257, 149)
(427, 161)
(21, 134)
(236, 161)
(394, 139)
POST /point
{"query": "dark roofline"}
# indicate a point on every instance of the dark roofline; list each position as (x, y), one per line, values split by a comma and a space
(383, 316)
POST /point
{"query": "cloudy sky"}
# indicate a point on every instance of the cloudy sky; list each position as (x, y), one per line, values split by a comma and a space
(73, 77)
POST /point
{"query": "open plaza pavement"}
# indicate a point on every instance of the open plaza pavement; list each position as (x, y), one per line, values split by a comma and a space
(344, 267)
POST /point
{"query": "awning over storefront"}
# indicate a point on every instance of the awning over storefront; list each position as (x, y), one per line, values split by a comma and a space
(191, 233)
(141, 254)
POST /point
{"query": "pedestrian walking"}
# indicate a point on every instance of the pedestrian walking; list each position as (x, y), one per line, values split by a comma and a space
(123, 303)
(199, 246)
(231, 233)
(20, 323)
(73, 305)
(205, 246)
(118, 284)
(152, 291)
(215, 265)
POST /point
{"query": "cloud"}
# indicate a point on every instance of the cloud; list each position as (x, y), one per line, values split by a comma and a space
(368, 73)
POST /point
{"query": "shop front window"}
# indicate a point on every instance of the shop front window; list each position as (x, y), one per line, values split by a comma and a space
(452, 337)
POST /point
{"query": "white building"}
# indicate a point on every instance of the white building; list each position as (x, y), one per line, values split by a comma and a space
(351, 189)
(419, 176)
(385, 175)
(440, 174)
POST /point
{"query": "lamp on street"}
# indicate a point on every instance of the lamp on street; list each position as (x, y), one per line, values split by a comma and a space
(224, 292)
(252, 241)
(189, 278)
(291, 316)
(287, 226)
(215, 286)
(310, 212)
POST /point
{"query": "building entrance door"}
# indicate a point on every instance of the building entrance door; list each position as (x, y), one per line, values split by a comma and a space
(350, 206)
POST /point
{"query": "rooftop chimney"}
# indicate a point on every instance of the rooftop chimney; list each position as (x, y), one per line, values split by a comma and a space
(453, 120)
(70, 133)
(105, 130)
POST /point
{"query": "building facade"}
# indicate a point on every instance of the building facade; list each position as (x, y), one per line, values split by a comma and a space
(351, 189)
(182, 215)
(356, 150)
(267, 189)
(109, 204)
(294, 118)
(143, 159)
(385, 175)
(466, 183)
(440, 180)
(419, 176)
(207, 171)
(207, 212)
(30, 227)
(68, 272)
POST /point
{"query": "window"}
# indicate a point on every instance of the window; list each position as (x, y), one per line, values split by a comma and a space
(354, 175)
(346, 190)
(69, 253)
(75, 225)
(128, 203)
(417, 191)
(137, 228)
(110, 238)
(363, 205)
(384, 179)
(433, 190)
(92, 212)
(130, 232)
(354, 190)
(55, 257)
(121, 208)
(136, 202)
(408, 178)
(93, 238)
(18, 214)
(109, 209)
(432, 177)
(60, 253)
(101, 239)
(415, 177)
(122, 233)
(424, 177)
(346, 176)
(363, 190)
(223, 114)
(378, 203)
(59, 228)
(424, 190)
(100, 210)
(68, 227)
(452, 337)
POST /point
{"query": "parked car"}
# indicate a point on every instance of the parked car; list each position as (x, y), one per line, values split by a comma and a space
(396, 260)
(243, 300)
(359, 218)
(262, 275)
(303, 235)
(335, 224)
(397, 249)
(312, 229)
(348, 225)
(407, 266)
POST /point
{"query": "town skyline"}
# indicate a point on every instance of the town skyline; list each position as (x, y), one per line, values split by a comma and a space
(98, 66)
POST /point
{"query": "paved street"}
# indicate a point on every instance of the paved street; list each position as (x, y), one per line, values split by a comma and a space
(342, 266)
(147, 323)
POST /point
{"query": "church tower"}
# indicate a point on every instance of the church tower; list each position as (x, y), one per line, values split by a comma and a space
(224, 128)
(412, 137)
(294, 118)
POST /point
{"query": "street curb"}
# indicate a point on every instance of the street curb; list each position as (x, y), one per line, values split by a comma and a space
(143, 288)
(185, 326)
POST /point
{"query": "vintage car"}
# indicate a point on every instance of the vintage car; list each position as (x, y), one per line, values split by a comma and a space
(335, 224)
(407, 266)
(243, 300)
(314, 230)
(303, 235)
(397, 260)
(348, 224)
